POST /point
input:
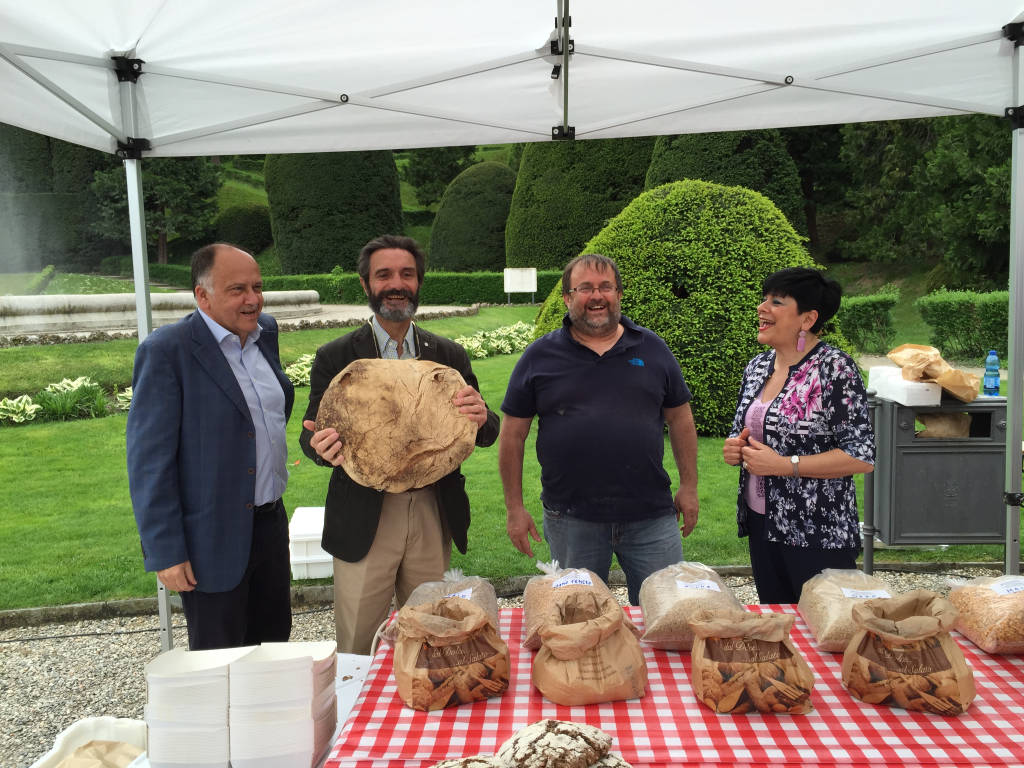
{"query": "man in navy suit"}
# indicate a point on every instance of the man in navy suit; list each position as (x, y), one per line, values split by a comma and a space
(206, 457)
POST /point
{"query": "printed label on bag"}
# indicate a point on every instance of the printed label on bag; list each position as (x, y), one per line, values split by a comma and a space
(1008, 586)
(577, 578)
(745, 650)
(706, 584)
(466, 594)
(864, 594)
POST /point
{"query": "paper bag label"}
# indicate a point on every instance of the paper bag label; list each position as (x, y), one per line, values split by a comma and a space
(1008, 587)
(921, 657)
(465, 594)
(705, 584)
(469, 651)
(745, 649)
(573, 578)
(864, 594)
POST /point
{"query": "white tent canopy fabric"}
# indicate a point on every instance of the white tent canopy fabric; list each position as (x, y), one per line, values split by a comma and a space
(263, 76)
(323, 75)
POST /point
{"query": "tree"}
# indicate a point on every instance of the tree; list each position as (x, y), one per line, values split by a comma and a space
(324, 207)
(469, 229)
(693, 256)
(180, 200)
(932, 191)
(756, 160)
(824, 180)
(431, 170)
(566, 191)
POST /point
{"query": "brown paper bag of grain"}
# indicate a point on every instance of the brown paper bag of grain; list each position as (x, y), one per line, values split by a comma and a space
(746, 662)
(448, 653)
(397, 424)
(903, 655)
(922, 363)
(591, 655)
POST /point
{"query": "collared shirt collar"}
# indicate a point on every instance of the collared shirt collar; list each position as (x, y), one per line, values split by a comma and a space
(383, 339)
(220, 332)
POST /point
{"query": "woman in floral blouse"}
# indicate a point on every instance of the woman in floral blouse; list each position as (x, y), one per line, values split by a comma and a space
(800, 434)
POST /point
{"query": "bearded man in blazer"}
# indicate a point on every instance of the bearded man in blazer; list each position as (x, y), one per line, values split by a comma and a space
(206, 453)
(386, 544)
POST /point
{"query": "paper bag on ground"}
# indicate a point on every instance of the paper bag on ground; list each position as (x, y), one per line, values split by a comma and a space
(448, 653)
(590, 654)
(922, 363)
(746, 662)
(396, 421)
(903, 656)
(672, 596)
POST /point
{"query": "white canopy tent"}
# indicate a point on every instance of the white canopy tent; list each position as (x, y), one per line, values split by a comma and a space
(160, 78)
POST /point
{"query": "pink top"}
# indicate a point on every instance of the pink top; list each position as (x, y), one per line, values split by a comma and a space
(754, 421)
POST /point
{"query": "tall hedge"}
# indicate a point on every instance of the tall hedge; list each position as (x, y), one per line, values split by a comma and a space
(24, 161)
(469, 228)
(693, 256)
(246, 225)
(565, 193)
(758, 160)
(324, 207)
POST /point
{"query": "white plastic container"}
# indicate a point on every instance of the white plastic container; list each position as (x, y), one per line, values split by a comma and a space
(305, 530)
(888, 382)
(308, 559)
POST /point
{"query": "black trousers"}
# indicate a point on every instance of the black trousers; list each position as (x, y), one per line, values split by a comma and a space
(780, 570)
(259, 608)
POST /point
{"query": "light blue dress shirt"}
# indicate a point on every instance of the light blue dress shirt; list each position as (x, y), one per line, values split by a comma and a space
(265, 398)
(389, 347)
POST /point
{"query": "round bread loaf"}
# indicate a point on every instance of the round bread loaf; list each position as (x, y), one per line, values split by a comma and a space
(555, 744)
(398, 427)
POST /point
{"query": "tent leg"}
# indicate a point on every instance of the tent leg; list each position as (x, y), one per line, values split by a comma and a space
(140, 262)
(1015, 339)
(163, 602)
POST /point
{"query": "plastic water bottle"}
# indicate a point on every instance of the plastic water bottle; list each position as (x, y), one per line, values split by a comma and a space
(991, 381)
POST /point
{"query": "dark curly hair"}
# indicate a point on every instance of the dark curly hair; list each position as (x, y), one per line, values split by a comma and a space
(809, 288)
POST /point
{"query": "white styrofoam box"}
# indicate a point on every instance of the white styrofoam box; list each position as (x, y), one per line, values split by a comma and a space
(888, 382)
(312, 567)
(305, 530)
(91, 729)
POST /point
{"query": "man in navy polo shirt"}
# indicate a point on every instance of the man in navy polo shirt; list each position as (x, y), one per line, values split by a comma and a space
(603, 388)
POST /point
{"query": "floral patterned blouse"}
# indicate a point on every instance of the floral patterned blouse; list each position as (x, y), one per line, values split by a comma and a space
(823, 405)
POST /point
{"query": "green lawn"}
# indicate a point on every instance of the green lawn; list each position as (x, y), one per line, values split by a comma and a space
(15, 283)
(233, 192)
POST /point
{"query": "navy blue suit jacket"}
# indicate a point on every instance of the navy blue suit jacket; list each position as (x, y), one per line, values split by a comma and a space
(192, 452)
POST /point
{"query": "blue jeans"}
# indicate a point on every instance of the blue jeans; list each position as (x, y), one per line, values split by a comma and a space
(642, 546)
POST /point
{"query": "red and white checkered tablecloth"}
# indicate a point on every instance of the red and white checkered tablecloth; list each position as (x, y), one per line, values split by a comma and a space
(668, 726)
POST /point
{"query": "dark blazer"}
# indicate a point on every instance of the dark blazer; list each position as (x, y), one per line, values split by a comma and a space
(352, 511)
(192, 452)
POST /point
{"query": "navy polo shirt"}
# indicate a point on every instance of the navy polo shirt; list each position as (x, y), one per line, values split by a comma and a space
(600, 438)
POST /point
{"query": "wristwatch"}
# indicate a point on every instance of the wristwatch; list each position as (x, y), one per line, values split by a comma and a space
(795, 461)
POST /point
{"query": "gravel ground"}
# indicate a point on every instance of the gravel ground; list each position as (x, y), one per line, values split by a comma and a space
(53, 675)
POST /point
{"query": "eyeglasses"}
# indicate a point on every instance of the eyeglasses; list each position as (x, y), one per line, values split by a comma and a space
(587, 290)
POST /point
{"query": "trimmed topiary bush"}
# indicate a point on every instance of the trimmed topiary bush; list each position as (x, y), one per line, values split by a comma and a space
(469, 229)
(757, 160)
(246, 225)
(325, 207)
(566, 191)
(693, 256)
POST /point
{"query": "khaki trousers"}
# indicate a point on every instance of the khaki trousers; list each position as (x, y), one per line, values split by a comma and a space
(412, 545)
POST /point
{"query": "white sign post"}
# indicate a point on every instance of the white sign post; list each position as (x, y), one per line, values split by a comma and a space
(521, 280)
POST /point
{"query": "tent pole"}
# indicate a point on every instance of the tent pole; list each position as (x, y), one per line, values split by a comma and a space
(564, 34)
(140, 271)
(1015, 339)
